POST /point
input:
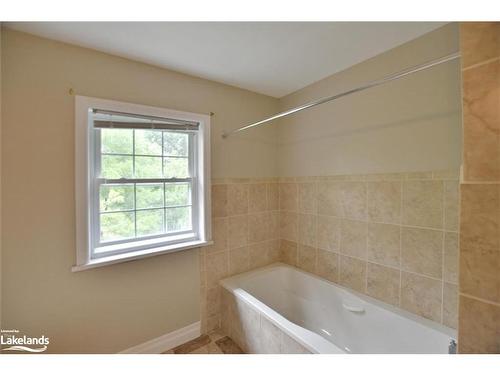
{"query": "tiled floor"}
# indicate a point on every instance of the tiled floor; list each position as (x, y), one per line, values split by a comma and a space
(211, 343)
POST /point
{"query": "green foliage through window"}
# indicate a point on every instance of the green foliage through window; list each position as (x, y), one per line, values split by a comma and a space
(134, 210)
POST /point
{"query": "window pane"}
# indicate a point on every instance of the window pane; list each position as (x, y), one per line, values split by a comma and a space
(117, 226)
(116, 141)
(116, 166)
(148, 167)
(149, 196)
(116, 197)
(175, 144)
(178, 219)
(149, 222)
(148, 142)
(177, 194)
(176, 167)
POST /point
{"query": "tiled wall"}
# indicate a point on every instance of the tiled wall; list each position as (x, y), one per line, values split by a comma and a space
(479, 326)
(253, 331)
(393, 237)
(245, 233)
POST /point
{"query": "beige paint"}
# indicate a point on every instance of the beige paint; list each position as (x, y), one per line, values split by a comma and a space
(0, 175)
(412, 124)
(112, 308)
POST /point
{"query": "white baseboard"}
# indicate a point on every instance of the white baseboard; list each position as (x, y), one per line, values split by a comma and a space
(166, 342)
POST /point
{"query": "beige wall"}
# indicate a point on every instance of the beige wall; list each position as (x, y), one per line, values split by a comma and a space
(412, 124)
(479, 303)
(115, 307)
(0, 176)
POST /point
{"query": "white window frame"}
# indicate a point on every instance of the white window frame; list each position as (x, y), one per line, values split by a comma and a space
(85, 185)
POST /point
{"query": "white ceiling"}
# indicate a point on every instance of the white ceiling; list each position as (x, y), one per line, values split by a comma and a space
(272, 58)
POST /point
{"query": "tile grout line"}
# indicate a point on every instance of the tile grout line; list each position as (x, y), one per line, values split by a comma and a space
(379, 222)
(481, 63)
(487, 301)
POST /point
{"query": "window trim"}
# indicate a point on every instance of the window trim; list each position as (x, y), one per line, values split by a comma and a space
(84, 182)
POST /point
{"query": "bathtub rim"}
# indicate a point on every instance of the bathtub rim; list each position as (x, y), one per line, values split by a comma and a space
(297, 332)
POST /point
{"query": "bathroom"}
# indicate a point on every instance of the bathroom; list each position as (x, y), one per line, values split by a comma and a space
(332, 188)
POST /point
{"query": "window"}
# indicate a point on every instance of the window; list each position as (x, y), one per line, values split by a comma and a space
(141, 181)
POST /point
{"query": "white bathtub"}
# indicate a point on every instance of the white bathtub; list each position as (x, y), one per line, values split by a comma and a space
(321, 317)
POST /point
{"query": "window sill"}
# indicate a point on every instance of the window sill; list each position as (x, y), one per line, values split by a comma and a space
(121, 258)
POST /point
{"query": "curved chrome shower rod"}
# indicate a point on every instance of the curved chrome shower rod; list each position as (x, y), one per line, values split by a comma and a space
(327, 99)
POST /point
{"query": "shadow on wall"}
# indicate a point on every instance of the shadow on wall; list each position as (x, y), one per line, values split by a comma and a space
(375, 127)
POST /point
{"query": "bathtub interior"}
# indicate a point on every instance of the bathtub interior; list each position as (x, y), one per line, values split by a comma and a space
(351, 322)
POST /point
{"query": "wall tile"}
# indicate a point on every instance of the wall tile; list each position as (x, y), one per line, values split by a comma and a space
(307, 197)
(217, 268)
(418, 176)
(384, 201)
(353, 273)
(219, 235)
(450, 305)
(288, 196)
(422, 251)
(480, 273)
(451, 201)
(383, 283)
(258, 255)
(219, 200)
(258, 227)
(257, 197)
(273, 198)
(354, 200)
(203, 309)
(450, 271)
(479, 41)
(383, 245)
(353, 238)
(212, 322)
(227, 302)
(448, 174)
(246, 325)
(479, 326)
(274, 224)
(328, 233)
(327, 265)
(289, 225)
(307, 229)
(213, 301)
(237, 233)
(423, 203)
(273, 251)
(237, 199)
(271, 336)
(203, 267)
(290, 346)
(481, 120)
(307, 258)
(421, 295)
(239, 260)
(288, 252)
(329, 199)
(480, 216)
